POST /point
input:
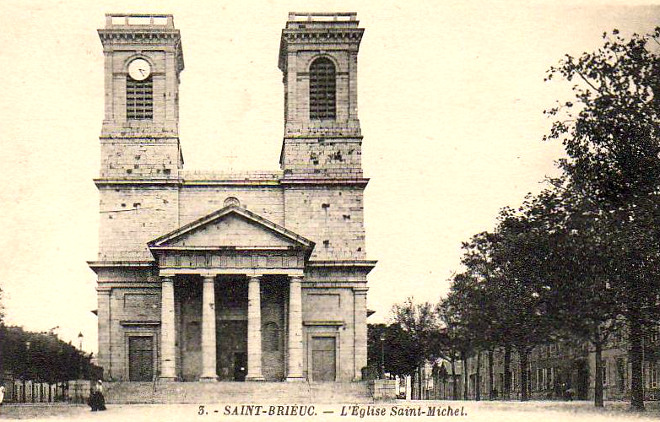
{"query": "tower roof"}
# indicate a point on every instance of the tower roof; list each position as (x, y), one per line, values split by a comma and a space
(142, 28)
(319, 29)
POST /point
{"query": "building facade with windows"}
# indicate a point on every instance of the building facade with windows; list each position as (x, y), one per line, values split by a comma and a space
(556, 371)
(216, 276)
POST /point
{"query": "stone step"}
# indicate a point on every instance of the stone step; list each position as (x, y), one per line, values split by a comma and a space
(236, 392)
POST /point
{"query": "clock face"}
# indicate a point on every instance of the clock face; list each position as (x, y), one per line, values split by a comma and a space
(139, 69)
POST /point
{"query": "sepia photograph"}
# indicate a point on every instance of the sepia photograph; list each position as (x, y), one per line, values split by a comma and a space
(243, 210)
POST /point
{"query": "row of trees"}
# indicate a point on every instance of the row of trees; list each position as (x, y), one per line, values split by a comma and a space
(42, 357)
(581, 259)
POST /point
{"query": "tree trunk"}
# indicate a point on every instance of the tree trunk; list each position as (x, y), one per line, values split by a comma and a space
(465, 376)
(598, 378)
(636, 386)
(491, 382)
(419, 383)
(507, 372)
(524, 358)
(454, 384)
(477, 379)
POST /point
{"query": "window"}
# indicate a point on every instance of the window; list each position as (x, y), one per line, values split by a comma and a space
(551, 378)
(540, 379)
(653, 374)
(322, 90)
(139, 99)
(621, 374)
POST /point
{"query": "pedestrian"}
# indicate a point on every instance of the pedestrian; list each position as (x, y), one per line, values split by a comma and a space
(2, 394)
(96, 399)
(101, 397)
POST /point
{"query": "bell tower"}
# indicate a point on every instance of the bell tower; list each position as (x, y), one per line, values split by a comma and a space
(143, 61)
(318, 56)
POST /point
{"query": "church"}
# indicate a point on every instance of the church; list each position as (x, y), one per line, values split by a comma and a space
(213, 276)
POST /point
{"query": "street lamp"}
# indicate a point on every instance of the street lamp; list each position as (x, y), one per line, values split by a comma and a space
(80, 355)
(382, 355)
(27, 368)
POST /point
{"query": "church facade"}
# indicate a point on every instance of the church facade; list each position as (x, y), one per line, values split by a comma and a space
(215, 276)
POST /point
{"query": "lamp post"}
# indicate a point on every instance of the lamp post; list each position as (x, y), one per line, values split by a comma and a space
(80, 355)
(382, 355)
(27, 360)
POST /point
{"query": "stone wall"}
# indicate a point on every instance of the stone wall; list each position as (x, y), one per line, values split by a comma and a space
(331, 216)
(131, 216)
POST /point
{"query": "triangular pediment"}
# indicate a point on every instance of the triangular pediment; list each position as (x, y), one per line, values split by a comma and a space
(231, 227)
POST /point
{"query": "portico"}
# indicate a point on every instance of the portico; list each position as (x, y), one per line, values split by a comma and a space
(225, 252)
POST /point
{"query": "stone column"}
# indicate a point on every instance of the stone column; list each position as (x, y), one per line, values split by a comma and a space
(209, 371)
(360, 327)
(254, 331)
(295, 346)
(104, 333)
(167, 344)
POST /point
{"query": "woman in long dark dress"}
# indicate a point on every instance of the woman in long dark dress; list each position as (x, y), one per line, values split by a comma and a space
(96, 398)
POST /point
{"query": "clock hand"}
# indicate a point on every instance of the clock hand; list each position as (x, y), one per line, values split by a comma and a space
(141, 71)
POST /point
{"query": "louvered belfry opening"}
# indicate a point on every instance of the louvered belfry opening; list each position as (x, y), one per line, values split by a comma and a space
(322, 90)
(139, 99)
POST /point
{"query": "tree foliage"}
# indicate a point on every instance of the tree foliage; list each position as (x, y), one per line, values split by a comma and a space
(42, 357)
(610, 132)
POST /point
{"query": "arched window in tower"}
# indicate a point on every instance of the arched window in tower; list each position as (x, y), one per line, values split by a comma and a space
(139, 91)
(139, 99)
(322, 90)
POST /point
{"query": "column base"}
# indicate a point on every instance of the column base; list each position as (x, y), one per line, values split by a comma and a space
(255, 378)
(295, 379)
(167, 379)
(212, 378)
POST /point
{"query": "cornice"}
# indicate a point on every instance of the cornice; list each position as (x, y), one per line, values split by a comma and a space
(364, 265)
(185, 183)
(97, 265)
(196, 183)
(141, 35)
(316, 35)
(293, 181)
(102, 182)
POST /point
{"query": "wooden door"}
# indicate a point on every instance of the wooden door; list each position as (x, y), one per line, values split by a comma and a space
(324, 365)
(140, 359)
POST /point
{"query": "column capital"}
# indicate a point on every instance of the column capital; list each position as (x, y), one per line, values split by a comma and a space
(208, 278)
(296, 279)
(254, 278)
(167, 279)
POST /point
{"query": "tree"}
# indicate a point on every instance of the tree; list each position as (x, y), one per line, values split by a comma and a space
(395, 344)
(483, 315)
(451, 342)
(583, 297)
(520, 255)
(459, 338)
(420, 325)
(43, 357)
(610, 132)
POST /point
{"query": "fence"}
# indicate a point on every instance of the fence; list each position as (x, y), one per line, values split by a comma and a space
(29, 391)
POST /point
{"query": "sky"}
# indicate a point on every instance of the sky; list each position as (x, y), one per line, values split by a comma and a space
(450, 96)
